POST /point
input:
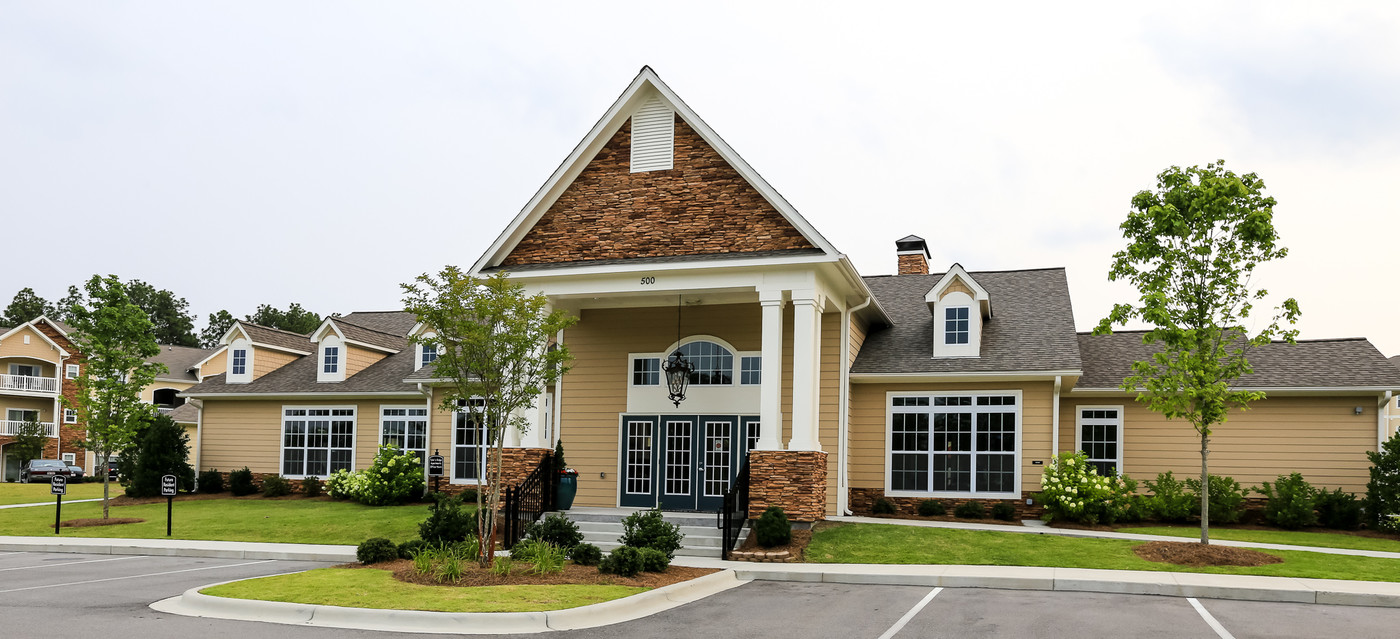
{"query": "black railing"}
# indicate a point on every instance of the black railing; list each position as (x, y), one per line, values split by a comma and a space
(735, 511)
(525, 502)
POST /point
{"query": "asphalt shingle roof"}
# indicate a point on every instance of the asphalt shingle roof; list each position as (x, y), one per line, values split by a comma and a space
(1031, 328)
(186, 413)
(392, 322)
(1323, 363)
(660, 259)
(358, 333)
(278, 338)
(179, 359)
(299, 376)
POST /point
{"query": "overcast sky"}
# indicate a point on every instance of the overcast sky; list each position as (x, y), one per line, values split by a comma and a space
(243, 152)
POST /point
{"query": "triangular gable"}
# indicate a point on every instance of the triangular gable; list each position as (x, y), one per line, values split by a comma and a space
(957, 278)
(593, 207)
(31, 325)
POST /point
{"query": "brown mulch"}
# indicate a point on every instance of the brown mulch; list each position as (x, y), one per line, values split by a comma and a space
(573, 574)
(1195, 554)
(88, 523)
(796, 548)
(123, 500)
(1078, 526)
(988, 520)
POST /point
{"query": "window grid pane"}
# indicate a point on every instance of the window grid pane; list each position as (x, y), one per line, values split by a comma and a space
(317, 441)
(646, 371)
(714, 364)
(955, 325)
(717, 457)
(954, 443)
(678, 457)
(750, 370)
(1099, 430)
(639, 458)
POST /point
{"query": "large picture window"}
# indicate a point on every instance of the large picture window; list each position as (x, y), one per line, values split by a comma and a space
(406, 429)
(955, 444)
(1100, 437)
(317, 441)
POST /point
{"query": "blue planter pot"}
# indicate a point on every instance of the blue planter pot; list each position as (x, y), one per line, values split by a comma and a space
(564, 494)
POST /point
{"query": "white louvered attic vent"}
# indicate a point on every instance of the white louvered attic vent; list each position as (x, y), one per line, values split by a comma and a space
(653, 137)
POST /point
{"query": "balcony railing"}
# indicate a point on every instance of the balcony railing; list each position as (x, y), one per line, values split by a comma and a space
(29, 384)
(11, 427)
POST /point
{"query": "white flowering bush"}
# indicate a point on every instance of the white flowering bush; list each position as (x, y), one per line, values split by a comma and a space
(393, 478)
(1071, 489)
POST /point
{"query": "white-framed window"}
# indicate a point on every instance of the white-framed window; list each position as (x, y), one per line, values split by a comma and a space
(751, 369)
(956, 325)
(954, 444)
(317, 440)
(240, 362)
(713, 364)
(331, 361)
(21, 415)
(430, 354)
(405, 428)
(331, 353)
(70, 416)
(26, 370)
(71, 371)
(646, 371)
(69, 458)
(469, 447)
(1099, 434)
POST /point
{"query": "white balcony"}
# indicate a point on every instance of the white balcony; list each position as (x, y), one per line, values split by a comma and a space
(11, 427)
(28, 384)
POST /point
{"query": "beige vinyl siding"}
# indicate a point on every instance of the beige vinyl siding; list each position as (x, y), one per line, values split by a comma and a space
(869, 419)
(240, 433)
(41, 404)
(858, 332)
(216, 365)
(358, 359)
(38, 348)
(829, 411)
(266, 360)
(1320, 437)
(148, 393)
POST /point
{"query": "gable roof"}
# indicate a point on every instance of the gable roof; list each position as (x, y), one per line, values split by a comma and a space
(186, 413)
(643, 87)
(299, 377)
(32, 325)
(1323, 363)
(180, 360)
(276, 338)
(1033, 329)
(361, 336)
(392, 322)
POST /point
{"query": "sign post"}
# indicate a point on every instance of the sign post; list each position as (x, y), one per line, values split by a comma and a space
(58, 486)
(167, 488)
(435, 468)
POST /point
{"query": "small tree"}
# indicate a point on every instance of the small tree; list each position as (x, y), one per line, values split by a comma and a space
(493, 349)
(160, 447)
(29, 441)
(1383, 490)
(115, 337)
(1193, 245)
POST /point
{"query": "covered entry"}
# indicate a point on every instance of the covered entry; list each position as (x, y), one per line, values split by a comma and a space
(682, 462)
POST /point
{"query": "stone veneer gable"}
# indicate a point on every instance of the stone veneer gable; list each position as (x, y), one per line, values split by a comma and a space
(701, 206)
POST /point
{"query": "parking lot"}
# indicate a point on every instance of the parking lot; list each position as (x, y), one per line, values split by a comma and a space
(43, 594)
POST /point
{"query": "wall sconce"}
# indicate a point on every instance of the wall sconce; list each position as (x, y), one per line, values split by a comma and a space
(1360, 409)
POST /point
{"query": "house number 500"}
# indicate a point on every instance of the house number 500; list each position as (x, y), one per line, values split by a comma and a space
(648, 280)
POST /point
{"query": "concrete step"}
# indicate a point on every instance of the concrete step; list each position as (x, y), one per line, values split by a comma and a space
(615, 515)
(602, 527)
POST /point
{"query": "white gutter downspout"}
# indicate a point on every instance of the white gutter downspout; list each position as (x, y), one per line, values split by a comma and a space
(198, 437)
(1380, 419)
(1055, 421)
(427, 432)
(842, 496)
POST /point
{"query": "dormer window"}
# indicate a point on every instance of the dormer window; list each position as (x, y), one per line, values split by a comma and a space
(332, 368)
(240, 361)
(331, 361)
(955, 325)
(429, 354)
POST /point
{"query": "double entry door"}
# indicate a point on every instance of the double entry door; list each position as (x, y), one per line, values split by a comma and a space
(682, 462)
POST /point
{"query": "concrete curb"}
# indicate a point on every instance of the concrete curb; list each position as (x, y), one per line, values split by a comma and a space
(181, 548)
(194, 604)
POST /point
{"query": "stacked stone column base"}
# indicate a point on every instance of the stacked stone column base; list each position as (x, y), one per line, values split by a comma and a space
(794, 480)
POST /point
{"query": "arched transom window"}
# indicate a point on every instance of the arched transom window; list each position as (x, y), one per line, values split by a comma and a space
(714, 364)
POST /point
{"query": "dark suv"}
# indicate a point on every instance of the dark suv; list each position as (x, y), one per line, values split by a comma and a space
(43, 469)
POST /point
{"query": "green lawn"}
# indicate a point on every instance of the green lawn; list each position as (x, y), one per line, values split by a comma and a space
(374, 588)
(1295, 538)
(13, 493)
(890, 544)
(250, 519)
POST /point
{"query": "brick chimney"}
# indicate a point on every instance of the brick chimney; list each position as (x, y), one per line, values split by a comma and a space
(913, 255)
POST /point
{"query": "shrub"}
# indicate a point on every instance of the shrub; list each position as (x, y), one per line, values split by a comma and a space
(211, 481)
(375, 550)
(932, 508)
(1169, 501)
(547, 559)
(240, 482)
(1226, 499)
(882, 506)
(1071, 489)
(772, 528)
(1003, 511)
(654, 560)
(1291, 502)
(556, 529)
(526, 549)
(970, 510)
(160, 447)
(276, 486)
(449, 567)
(646, 529)
(393, 478)
(502, 566)
(1338, 510)
(448, 520)
(311, 487)
(1383, 490)
(625, 561)
(410, 549)
(586, 555)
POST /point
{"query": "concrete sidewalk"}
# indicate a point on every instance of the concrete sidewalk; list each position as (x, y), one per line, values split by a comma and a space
(1104, 534)
(49, 503)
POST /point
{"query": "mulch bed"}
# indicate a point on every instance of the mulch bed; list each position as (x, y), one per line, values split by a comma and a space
(123, 500)
(573, 574)
(88, 523)
(988, 520)
(795, 548)
(1196, 554)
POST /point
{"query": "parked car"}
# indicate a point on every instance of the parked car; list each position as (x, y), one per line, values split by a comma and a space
(77, 470)
(43, 470)
(112, 474)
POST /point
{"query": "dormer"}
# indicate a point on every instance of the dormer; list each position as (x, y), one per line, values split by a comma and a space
(959, 306)
(423, 354)
(241, 355)
(344, 349)
(251, 351)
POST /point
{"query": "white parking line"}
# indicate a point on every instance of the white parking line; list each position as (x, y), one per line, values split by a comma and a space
(899, 625)
(152, 574)
(2, 554)
(1210, 620)
(70, 563)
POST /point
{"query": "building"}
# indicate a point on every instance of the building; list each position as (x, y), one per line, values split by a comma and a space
(835, 388)
(38, 368)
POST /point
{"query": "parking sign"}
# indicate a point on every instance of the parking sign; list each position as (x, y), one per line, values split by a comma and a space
(167, 486)
(58, 485)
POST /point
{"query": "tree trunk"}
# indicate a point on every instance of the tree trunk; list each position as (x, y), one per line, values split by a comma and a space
(1205, 490)
(106, 479)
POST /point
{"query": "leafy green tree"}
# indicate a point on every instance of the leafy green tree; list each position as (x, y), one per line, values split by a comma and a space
(170, 316)
(115, 337)
(160, 447)
(64, 309)
(219, 323)
(493, 348)
(1383, 490)
(295, 319)
(29, 441)
(1193, 245)
(25, 307)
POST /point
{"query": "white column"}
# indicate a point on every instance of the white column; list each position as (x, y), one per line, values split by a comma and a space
(533, 436)
(806, 365)
(770, 388)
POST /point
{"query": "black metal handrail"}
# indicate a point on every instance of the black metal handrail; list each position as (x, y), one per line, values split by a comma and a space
(735, 511)
(525, 502)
